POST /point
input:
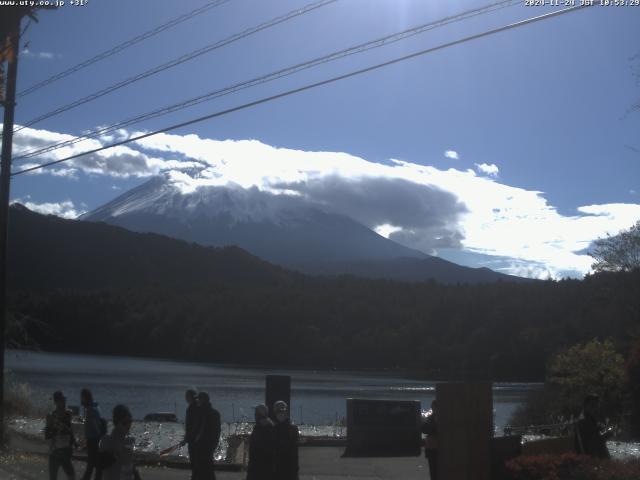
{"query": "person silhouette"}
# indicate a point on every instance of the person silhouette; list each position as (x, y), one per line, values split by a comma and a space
(430, 428)
(58, 432)
(206, 439)
(590, 439)
(95, 428)
(116, 448)
(262, 447)
(286, 444)
(191, 423)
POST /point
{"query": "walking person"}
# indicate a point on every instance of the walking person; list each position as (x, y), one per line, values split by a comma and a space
(191, 423)
(430, 427)
(116, 448)
(58, 432)
(286, 444)
(95, 427)
(206, 439)
(590, 439)
(262, 447)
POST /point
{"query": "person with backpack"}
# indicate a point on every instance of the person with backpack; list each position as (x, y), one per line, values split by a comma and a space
(95, 427)
(58, 432)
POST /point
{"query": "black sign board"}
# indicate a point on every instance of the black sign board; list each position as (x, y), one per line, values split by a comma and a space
(278, 387)
(383, 427)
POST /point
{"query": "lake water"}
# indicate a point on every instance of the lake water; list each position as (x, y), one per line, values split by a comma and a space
(150, 385)
(318, 397)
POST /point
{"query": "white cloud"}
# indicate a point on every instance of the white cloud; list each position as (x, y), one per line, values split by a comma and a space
(500, 220)
(416, 205)
(120, 162)
(71, 173)
(488, 169)
(16, 167)
(385, 229)
(529, 269)
(44, 55)
(65, 209)
(452, 154)
(118, 135)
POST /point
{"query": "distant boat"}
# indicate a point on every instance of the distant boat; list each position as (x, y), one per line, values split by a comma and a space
(160, 417)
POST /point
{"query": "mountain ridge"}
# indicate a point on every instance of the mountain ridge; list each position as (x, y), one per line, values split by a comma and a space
(281, 229)
(73, 254)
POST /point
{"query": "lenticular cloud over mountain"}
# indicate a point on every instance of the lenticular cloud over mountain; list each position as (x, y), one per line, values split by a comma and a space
(418, 206)
(430, 208)
(424, 214)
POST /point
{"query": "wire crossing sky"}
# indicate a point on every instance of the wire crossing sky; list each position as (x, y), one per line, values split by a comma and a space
(377, 43)
(530, 133)
(122, 46)
(177, 61)
(307, 87)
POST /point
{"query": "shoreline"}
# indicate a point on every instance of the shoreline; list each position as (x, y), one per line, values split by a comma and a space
(31, 445)
(234, 461)
(406, 372)
(153, 437)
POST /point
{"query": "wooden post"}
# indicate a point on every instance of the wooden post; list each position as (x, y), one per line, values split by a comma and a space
(465, 422)
(12, 34)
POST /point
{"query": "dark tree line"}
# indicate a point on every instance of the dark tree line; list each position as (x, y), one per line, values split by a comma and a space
(504, 330)
(94, 288)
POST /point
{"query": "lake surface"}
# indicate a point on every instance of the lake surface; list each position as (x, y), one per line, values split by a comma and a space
(148, 385)
(151, 385)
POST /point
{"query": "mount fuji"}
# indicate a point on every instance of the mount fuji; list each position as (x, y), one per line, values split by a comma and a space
(283, 229)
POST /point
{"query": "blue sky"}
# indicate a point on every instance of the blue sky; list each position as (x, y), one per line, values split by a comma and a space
(537, 116)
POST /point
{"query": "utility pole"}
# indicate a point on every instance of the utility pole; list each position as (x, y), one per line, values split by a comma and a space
(9, 48)
(10, 42)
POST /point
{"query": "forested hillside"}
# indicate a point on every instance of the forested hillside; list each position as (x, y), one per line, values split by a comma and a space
(223, 305)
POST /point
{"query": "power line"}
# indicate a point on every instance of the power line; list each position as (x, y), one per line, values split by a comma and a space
(312, 85)
(273, 76)
(122, 46)
(177, 61)
(377, 43)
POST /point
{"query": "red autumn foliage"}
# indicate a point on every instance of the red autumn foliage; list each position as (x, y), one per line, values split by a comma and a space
(571, 467)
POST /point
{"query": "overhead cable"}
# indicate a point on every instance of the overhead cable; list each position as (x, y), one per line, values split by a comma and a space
(377, 43)
(122, 46)
(177, 61)
(307, 87)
